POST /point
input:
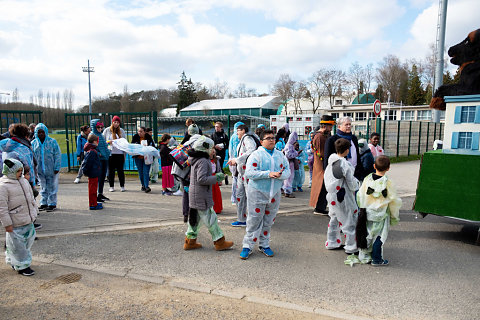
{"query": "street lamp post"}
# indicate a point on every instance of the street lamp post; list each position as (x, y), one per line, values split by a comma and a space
(89, 69)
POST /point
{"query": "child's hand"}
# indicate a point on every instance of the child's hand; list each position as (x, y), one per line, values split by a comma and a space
(9, 228)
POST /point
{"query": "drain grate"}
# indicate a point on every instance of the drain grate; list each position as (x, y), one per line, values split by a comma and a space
(63, 279)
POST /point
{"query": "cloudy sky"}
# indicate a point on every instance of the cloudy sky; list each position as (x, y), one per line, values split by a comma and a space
(146, 44)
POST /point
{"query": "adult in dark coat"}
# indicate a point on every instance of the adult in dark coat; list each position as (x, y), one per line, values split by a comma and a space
(187, 135)
(318, 193)
(221, 140)
(344, 130)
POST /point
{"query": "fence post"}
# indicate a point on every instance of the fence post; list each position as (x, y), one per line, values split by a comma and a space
(228, 125)
(428, 134)
(419, 136)
(66, 139)
(378, 125)
(398, 138)
(409, 137)
(435, 132)
(155, 126)
(384, 130)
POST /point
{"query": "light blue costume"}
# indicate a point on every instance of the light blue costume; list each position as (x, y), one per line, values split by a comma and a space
(232, 153)
(291, 154)
(15, 150)
(263, 194)
(280, 145)
(299, 178)
(49, 158)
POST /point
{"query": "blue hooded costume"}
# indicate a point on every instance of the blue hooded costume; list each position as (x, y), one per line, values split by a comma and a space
(21, 150)
(232, 153)
(49, 159)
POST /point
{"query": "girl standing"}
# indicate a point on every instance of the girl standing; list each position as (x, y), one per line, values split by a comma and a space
(167, 163)
(117, 157)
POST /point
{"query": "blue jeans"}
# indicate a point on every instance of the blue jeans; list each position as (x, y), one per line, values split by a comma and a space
(377, 251)
(143, 171)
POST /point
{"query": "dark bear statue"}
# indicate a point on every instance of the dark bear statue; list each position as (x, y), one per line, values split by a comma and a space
(465, 54)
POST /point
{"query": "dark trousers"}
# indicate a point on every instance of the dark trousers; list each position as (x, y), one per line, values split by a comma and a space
(92, 191)
(322, 200)
(377, 251)
(101, 178)
(116, 162)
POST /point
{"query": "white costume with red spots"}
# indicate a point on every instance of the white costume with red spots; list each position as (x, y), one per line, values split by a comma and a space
(263, 194)
(343, 211)
(245, 148)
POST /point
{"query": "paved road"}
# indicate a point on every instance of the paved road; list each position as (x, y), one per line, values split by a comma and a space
(433, 272)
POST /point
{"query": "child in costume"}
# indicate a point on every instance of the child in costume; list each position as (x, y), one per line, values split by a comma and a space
(341, 186)
(216, 193)
(18, 211)
(92, 168)
(200, 197)
(267, 168)
(382, 205)
(232, 153)
(167, 163)
(49, 157)
(299, 178)
(291, 153)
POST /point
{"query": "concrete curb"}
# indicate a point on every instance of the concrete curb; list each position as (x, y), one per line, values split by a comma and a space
(198, 288)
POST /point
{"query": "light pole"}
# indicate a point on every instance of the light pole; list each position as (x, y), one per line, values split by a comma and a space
(89, 69)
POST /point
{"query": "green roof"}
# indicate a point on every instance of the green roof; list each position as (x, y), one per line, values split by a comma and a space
(364, 99)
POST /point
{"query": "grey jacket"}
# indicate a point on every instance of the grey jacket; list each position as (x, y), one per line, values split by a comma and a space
(17, 205)
(201, 181)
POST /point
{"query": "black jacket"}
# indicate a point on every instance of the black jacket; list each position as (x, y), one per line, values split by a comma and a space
(330, 149)
(165, 158)
(220, 137)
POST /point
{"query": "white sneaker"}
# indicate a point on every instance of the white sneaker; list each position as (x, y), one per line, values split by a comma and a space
(178, 193)
(111, 189)
(122, 189)
(77, 180)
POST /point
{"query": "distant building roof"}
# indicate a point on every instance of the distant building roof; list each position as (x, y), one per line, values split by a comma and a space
(364, 98)
(271, 102)
(168, 112)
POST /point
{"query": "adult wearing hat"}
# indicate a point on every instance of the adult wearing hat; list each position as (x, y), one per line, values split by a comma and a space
(117, 156)
(318, 193)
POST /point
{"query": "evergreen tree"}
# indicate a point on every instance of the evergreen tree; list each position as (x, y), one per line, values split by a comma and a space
(186, 93)
(415, 92)
(380, 93)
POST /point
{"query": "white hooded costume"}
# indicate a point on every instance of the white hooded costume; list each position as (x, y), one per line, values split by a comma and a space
(343, 211)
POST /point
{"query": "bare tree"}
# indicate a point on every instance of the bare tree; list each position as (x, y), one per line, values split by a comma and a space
(65, 99)
(15, 97)
(252, 92)
(283, 87)
(219, 90)
(40, 97)
(369, 75)
(125, 100)
(391, 74)
(241, 91)
(48, 100)
(356, 78)
(332, 81)
(59, 106)
(299, 93)
(71, 97)
(315, 92)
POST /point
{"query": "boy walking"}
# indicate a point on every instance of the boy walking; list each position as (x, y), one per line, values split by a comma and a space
(341, 186)
(92, 168)
(267, 168)
(378, 197)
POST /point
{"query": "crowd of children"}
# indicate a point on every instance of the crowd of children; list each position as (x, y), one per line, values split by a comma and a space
(263, 166)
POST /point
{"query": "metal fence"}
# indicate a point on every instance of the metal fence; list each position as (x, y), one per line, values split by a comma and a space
(404, 138)
(130, 121)
(7, 117)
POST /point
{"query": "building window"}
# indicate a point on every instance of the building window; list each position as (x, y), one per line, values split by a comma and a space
(299, 118)
(361, 116)
(442, 115)
(348, 114)
(408, 115)
(289, 119)
(274, 119)
(468, 114)
(338, 102)
(464, 140)
(308, 118)
(371, 115)
(335, 115)
(360, 129)
(424, 115)
(390, 114)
